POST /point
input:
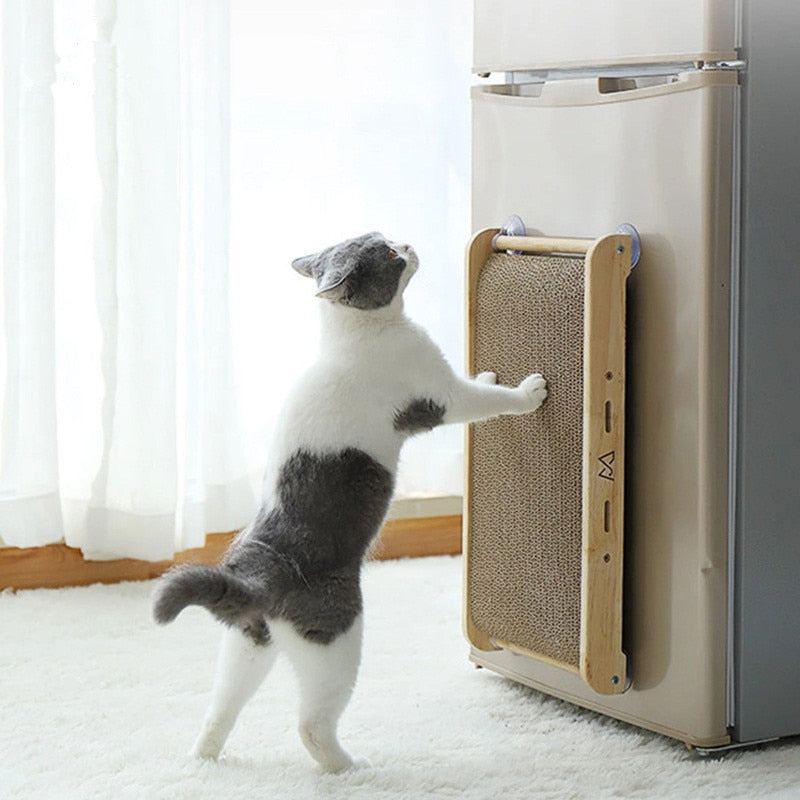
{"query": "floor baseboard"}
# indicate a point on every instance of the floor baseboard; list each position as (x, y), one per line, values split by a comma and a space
(57, 565)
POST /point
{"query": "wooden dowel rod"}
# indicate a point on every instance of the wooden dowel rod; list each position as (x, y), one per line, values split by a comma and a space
(541, 244)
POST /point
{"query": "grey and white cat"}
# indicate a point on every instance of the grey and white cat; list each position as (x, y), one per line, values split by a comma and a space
(290, 581)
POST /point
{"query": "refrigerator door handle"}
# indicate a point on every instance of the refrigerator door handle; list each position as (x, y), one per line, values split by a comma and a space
(594, 91)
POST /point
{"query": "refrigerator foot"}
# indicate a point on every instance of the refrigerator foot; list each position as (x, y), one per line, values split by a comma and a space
(724, 749)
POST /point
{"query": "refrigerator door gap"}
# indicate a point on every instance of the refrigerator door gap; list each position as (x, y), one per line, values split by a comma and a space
(636, 72)
(733, 406)
(619, 71)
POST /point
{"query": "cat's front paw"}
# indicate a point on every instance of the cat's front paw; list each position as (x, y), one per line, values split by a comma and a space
(533, 391)
(486, 377)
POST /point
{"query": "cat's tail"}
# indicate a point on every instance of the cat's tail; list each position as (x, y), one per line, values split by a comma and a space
(229, 597)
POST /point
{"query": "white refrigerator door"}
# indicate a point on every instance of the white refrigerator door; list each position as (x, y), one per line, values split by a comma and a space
(532, 34)
(577, 161)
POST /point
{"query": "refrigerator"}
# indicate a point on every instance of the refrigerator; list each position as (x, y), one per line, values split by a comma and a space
(681, 117)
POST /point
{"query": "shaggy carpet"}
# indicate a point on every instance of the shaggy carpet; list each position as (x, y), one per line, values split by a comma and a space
(96, 701)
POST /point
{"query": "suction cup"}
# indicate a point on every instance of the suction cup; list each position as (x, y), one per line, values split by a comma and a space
(514, 227)
(636, 242)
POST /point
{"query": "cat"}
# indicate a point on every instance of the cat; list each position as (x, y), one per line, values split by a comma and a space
(290, 580)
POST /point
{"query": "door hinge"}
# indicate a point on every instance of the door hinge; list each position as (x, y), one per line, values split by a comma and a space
(726, 66)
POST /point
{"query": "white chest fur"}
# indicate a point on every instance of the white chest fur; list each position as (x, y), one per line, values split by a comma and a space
(371, 365)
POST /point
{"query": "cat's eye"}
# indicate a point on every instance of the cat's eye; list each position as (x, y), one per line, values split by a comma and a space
(393, 254)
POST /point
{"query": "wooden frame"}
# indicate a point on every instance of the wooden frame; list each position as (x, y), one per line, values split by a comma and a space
(603, 663)
(607, 266)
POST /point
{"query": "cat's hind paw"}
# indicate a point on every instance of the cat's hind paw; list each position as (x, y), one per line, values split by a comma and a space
(343, 763)
(200, 754)
(207, 747)
(534, 391)
(486, 377)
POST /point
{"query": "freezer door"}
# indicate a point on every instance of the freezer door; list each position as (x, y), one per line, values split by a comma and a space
(531, 34)
(577, 159)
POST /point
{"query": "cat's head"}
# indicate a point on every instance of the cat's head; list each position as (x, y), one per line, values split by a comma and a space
(367, 272)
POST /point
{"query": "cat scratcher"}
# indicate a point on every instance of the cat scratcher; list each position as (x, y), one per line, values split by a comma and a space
(543, 537)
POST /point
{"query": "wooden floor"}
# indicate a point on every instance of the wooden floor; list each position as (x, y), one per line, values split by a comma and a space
(57, 565)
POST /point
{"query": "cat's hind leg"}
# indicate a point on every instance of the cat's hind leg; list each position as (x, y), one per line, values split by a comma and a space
(327, 675)
(243, 663)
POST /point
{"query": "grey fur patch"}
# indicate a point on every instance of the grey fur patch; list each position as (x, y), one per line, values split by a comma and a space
(230, 597)
(418, 416)
(359, 272)
(299, 562)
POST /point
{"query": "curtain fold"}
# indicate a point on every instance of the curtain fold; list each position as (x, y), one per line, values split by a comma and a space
(134, 494)
(216, 479)
(29, 467)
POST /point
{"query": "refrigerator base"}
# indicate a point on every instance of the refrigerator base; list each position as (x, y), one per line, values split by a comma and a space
(561, 684)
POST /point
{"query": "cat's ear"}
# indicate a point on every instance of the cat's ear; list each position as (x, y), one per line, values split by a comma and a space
(307, 266)
(331, 284)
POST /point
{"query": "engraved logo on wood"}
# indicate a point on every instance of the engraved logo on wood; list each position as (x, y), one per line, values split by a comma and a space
(607, 470)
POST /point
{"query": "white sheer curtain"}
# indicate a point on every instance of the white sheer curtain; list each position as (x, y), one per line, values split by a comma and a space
(120, 432)
(158, 177)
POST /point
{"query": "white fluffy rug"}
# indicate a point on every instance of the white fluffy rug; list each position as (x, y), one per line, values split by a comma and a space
(98, 702)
